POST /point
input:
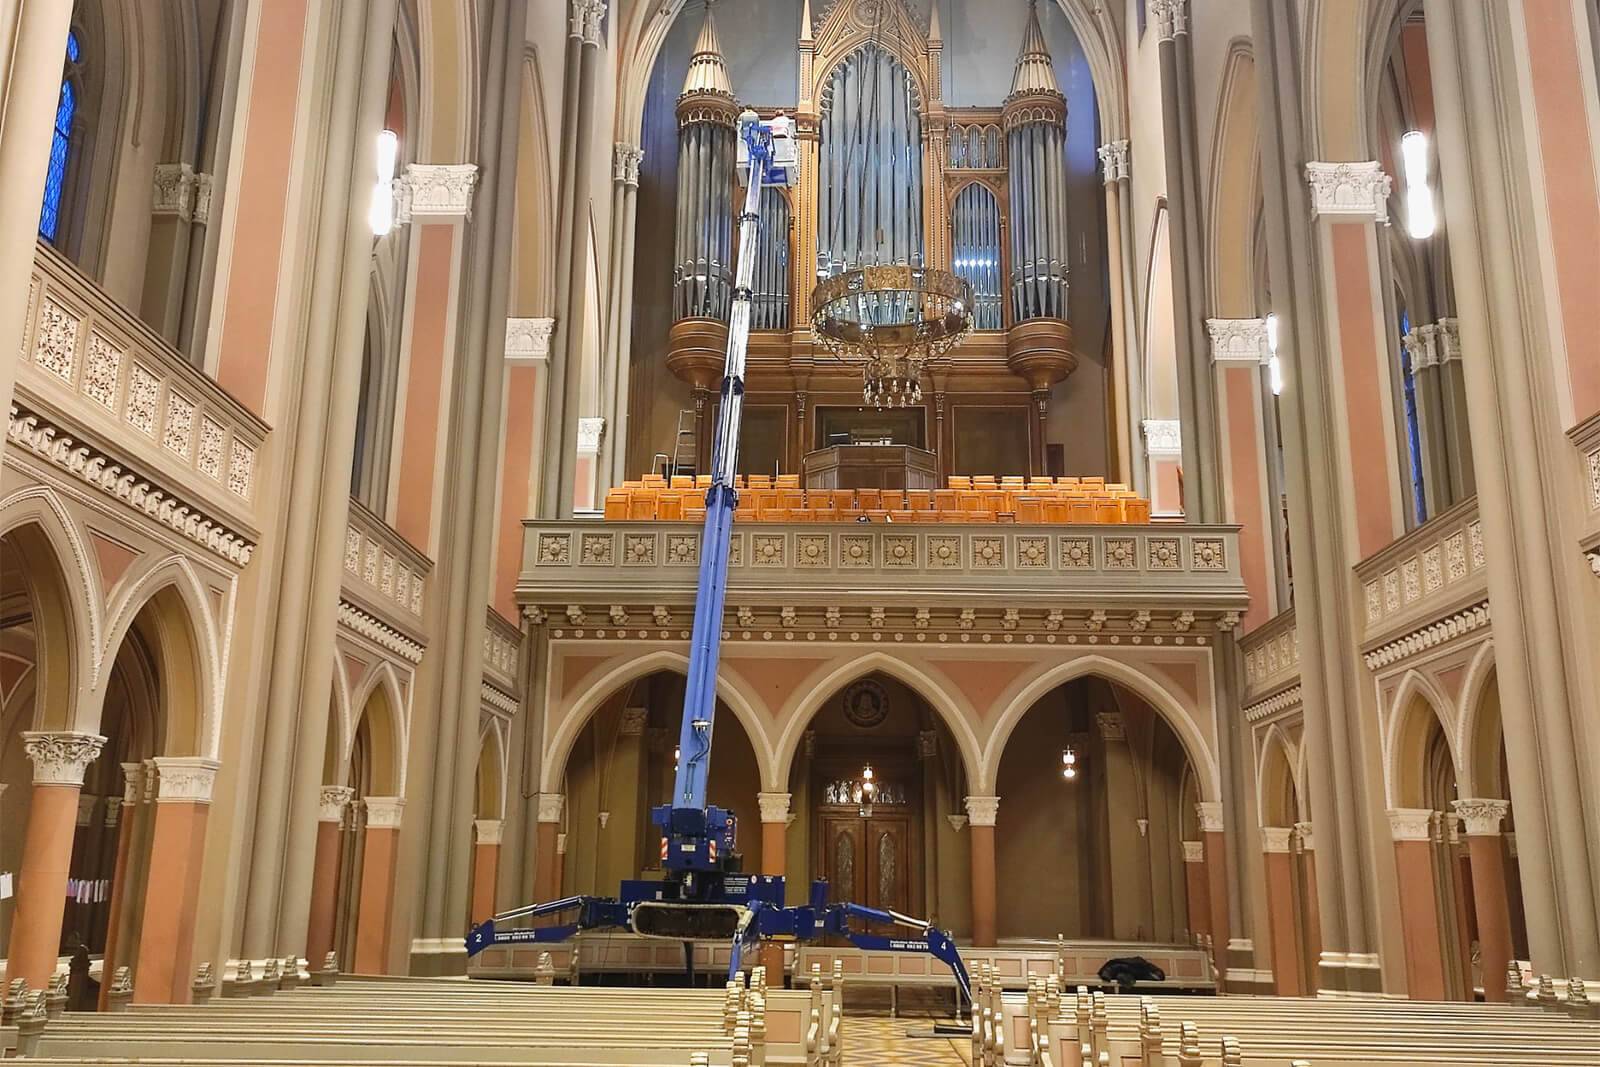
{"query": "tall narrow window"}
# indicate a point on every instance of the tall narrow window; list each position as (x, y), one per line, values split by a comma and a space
(55, 177)
(975, 232)
(1413, 431)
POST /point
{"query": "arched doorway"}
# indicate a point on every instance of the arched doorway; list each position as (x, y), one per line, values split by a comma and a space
(1288, 863)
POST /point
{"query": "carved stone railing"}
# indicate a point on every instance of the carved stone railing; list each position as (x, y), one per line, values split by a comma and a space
(1271, 655)
(99, 392)
(1433, 573)
(501, 640)
(383, 572)
(1110, 580)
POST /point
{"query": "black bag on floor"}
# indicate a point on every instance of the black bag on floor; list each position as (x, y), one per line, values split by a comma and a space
(1130, 970)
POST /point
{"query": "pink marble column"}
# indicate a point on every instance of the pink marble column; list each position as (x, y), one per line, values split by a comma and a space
(485, 868)
(325, 874)
(1277, 863)
(1490, 898)
(172, 893)
(1412, 830)
(1211, 832)
(374, 918)
(59, 761)
(981, 813)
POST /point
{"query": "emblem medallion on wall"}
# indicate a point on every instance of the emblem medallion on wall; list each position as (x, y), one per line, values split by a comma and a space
(865, 704)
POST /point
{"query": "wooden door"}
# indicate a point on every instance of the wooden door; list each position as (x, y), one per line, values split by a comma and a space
(888, 866)
(844, 857)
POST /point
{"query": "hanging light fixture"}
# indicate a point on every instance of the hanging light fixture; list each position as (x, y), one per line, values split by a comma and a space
(1274, 366)
(380, 215)
(1421, 218)
(1069, 763)
(866, 790)
(891, 321)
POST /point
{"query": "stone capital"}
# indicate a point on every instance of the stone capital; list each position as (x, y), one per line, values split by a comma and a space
(132, 783)
(1241, 341)
(1163, 437)
(173, 192)
(590, 430)
(1275, 838)
(86, 803)
(1210, 815)
(1194, 852)
(583, 20)
(1114, 161)
(550, 805)
(1481, 817)
(383, 813)
(1110, 726)
(625, 160)
(983, 810)
(528, 340)
(1411, 824)
(632, 722)
(435, 192)
(1170, 16)
(60, 758)
(1350, 190)
(1302, 832)
(185, 778)
(774, 807)
(488, 830)
(332, 802)
(113, 812)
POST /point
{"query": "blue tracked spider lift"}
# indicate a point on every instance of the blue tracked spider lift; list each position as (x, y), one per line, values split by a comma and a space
(702, 895)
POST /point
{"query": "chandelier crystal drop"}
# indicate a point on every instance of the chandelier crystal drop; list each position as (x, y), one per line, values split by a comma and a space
(891, 322)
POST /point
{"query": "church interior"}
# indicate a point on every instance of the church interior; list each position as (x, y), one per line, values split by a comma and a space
(1122, 477)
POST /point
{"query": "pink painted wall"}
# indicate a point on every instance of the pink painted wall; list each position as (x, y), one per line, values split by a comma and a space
(425, 386)
(1362, 356)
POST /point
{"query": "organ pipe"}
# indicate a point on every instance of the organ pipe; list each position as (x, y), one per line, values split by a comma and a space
(1034, 116)
(703, 235)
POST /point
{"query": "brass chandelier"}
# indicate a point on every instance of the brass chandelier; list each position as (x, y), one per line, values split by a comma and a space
(891, 321)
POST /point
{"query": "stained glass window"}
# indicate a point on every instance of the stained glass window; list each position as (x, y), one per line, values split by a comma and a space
(1413, 430)
(55, 178)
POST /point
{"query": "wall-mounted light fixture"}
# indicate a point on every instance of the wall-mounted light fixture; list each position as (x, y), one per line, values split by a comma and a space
(1069, 763)
(1274, 366)
(1421, 217)
(380, 215)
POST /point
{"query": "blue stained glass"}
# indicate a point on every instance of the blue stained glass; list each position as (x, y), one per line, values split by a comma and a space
(55, 177)
(1413, 430)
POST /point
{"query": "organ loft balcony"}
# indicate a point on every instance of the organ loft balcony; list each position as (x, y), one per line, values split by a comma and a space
(1045, 562)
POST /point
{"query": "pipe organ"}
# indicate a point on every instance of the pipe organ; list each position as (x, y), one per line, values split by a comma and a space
(889, 175)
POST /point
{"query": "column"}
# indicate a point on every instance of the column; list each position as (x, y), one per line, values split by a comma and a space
(591, 430)
(34, 47)
(1198, 890)
(981, 812)
(527, 369)
(1129, 874)
(613, 465)
(172, 891)
(1126, 381)
(1310, 912)
(1481, 819)
(59, 761)
(373, 919)
(485, 868)
(547, 863)
(774, 845)
(1518, 164)
(334, 800)
(1238, 353)
(1412, 830)
(133, 864)
(1278, 866)
(1216, 854)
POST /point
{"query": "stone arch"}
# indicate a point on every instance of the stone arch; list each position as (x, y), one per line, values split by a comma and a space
(1152, 690)
(1417, 712)
(559, 747)
(447, 47)
(382, 720)
(534, 254)
(1278, 801)
(169, 604)
(830, 680)
(62, 601)
(491, 779)
(1234, 196)
(1480, 729)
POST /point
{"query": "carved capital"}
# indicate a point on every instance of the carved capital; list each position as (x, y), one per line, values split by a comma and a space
(332, 802)
(1354, 190)
(186, 779)
(488, 831)
(625, 160)
(383, 813)
(774, 807)
(1238, 341)
(435, 192)
(633, 721)
(1302, 832)
(1163, 437)
(983, 810)
(583, 20)
(528, 340)
(1194, 852)
(1210, 815)
(60, 758)
(1111, 726)
(113, 812)
(1275, 838)
(1171, 17)
(1114, 161)
(550, 805)
(132, 783)
(590, 430)
(1411, 824)
(1481, 817)
(173, 193)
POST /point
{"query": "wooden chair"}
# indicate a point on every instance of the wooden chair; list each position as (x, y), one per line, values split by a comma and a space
(642, 504)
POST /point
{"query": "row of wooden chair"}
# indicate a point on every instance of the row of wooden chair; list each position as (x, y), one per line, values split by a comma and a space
(967, 500)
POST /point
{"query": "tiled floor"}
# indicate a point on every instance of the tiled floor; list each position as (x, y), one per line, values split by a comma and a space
(873, 1039)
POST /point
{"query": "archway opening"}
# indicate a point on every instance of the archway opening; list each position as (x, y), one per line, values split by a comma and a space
(1098, 853)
